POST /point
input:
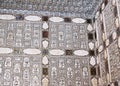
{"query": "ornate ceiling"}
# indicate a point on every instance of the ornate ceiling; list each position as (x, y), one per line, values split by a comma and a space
(66, 8)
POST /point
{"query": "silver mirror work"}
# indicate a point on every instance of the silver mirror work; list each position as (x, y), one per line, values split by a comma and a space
(20, 71)
(67, 35)
(69, 71)
(78, 8)
(20, 34)
(53, 44)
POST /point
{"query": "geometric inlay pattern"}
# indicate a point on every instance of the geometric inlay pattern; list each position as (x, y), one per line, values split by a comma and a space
(68, 36)
(69, 71)
(20, 70)
(114, 60)
(20, 34)
(77, 8)
(109, 19)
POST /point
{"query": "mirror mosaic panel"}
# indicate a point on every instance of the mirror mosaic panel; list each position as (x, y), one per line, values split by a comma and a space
(20, 70)
(114, 55)
(69, 71)
(68, 36)
(48, 52)
(20, 34)
(77, 8)
(109, 19)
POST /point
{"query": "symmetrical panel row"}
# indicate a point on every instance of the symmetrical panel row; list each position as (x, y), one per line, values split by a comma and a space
(69, 71)
(68, 36)
(20, 34)
(20, 71)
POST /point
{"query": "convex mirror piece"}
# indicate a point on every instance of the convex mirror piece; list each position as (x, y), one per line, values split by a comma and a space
(6, 50)
(45, 25)
(113, 2)
(45, 44)
(107, 42)
(90, 28)
(56, 19)
(78, 20)
(100, 48)
(91, 45)
(117, 22)
(92, 61)
(31, 51)
(114, 35)
(81, 52)
(103, 6)
(119, 42)
(97, 14)
(33, 18)
(45, 60)
(56, 52)
(7, 17)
